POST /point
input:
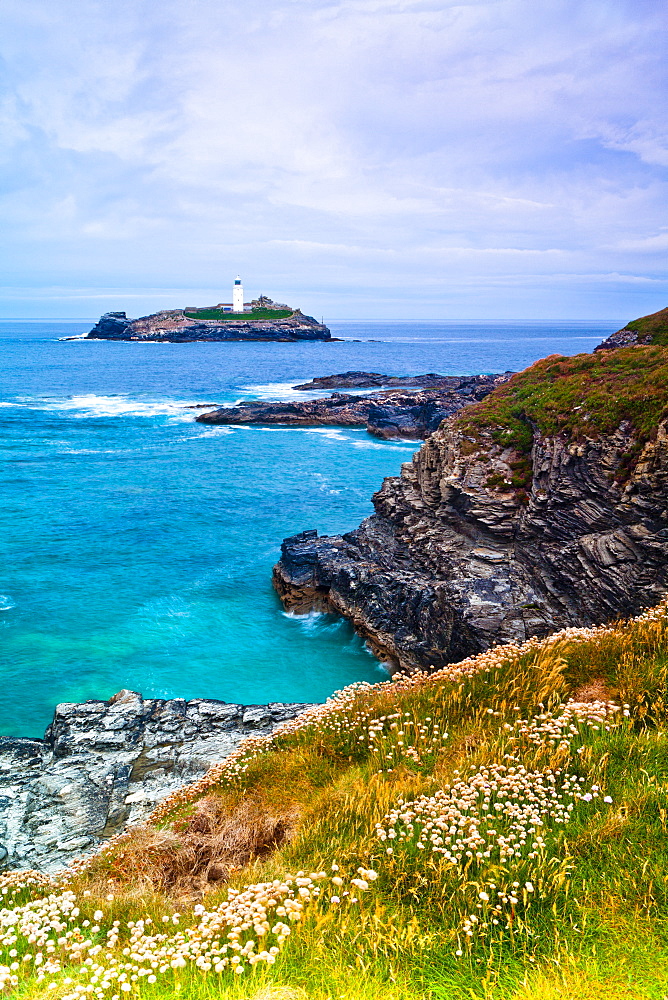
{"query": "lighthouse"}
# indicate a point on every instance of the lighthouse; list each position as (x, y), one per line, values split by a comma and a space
(237, 296)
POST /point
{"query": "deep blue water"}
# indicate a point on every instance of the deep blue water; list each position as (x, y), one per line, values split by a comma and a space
(136, 545)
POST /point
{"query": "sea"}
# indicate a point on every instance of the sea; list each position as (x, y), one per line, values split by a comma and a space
(136, 545)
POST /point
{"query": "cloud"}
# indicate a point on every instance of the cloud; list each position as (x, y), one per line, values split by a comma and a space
(364, 142)
(648, 243)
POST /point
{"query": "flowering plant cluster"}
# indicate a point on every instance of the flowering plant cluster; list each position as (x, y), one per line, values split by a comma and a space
(557, 731)
(47, 937)
(497, 814)
(503, 819)
(399, 738)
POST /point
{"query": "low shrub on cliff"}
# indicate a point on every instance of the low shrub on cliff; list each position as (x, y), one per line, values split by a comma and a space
(496, 829)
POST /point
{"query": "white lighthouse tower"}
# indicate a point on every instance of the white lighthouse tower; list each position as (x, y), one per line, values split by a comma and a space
(237, 296)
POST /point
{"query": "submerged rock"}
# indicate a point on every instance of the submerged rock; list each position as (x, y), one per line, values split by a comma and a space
(103, 765)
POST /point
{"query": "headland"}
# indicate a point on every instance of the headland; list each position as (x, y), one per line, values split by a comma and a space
(540, 507)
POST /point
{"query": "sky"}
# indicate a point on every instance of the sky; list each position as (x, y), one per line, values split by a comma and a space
(358, 158)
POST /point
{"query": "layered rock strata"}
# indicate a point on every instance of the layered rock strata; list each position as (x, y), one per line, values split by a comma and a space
(391, 414)
(173, 326)
(104, 765)
(456, 559)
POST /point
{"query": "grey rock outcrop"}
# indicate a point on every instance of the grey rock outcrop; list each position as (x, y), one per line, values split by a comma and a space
(111, 326)
(173, 326)
(395, 413)
(104, 765)
(455, 559)
(624, 338)
(652, 329)
(375, 380)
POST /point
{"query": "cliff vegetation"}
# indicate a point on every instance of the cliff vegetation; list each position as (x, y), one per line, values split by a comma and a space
(586, 396)
(497, 829)
(654, 326)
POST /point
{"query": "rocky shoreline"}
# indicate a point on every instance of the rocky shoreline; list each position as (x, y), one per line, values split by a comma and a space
(499, 530)
(449, 566)
(395, 413)
(104, 765)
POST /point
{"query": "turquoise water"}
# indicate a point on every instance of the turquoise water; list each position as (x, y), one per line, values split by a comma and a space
(136, 545)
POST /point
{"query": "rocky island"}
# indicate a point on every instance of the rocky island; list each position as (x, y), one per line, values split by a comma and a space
(540, 507)
(395, 413)
(263, 320)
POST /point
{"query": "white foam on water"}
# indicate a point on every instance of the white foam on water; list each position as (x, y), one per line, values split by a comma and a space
(6, 603)
(278, 430)
(211, 432)
(287, 429)
(152, 446)
(332, 433)
(92, 405)
(272, 390)
(282, 391)
(308, 621)
(412, 448)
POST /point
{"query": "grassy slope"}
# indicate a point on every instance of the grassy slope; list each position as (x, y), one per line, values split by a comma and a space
(257, 314)
(656, 325)
(591, 925)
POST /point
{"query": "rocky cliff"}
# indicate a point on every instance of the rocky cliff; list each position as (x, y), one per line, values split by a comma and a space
(105, 764)
(543, 506)
(174, 326)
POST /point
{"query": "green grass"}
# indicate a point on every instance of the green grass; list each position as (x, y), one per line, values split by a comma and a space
(593, 925)
(655, 325)
(227, 317)
(585, 396)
